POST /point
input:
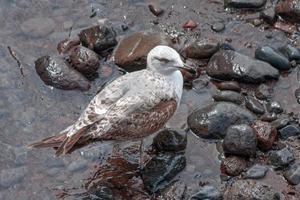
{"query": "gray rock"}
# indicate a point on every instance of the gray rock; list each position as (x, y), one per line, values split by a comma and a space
(291, 52)
(207, 192)
(293, 174)
(20, 155)
(254, 105)
(244, 3)
(274, 107)
(38, 27)
(77, 165)
(263, 92)
(218, 26)
(10, 177)
(230, 96)
(256, 172)
(212, 121)
(174, 191)
(268, 15)
(240, 140)
(227, 65)
(281, 158)
(289, 131)
(280, 123)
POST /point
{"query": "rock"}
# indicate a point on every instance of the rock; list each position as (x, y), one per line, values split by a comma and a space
(77, 165)
(55, 72)
(263, 92)
(218, 26)
(286, 27)
(54, 162)
(291, 52)
(84, 60)
(228, 85)
(274, 107)
(207, 192)
(212, 121)
(227, 65)
(169, 140)
(52, 172)
(256, 172)
(268, 15)
(281, 158)
(244, 3)
(289, 9)
(265, 133)
(201, 49)
(190, 24)
(233, 165)
(101, 192)
(254, 105)
(250, 190)
(20, 155)
(161, 169)
(229, 96)
(257, 22)
(293, 174)
(98, 38)
(10, 177)
(174, 191)
(131, 52)
(280, 123)
(289, 131)
(297, 95)
(67, 44)
(155, 10)
(240, 140)
(268, 117)
(38, 27)
(276, 59)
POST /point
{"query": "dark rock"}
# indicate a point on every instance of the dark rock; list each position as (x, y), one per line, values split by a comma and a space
(218, 26)
(228, 95)
(274, 107)
(254, 105)
(55, 72)
(10, 177)
(263, 92)
(131, 52)
(226, 46)
(233, 165)
(98, 38)
(291, 52)
(244, 3)
(201, 49)
(161, 169)
(276, 59)
(84, 60)
(169, 140)
(240, 140)
(227, 65)
(281, 158)
(190, 24)
(207, 192)
(101, 192)
(67, 44)
(289, 130)
(174, 191)
(256, 172)
(280, 123)
(289, 9)
(268, 117)
(212, 121)
(250, 190)
(228, 85)
(155, 10)
(293, 174)
(268, 15)
(265, 133)
(77, 165)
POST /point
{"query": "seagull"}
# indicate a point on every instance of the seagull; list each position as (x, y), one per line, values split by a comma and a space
(130, 108)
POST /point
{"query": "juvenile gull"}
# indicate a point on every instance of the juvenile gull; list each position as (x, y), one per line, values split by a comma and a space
(130, 108)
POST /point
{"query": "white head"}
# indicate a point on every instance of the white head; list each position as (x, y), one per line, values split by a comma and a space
(164, 60)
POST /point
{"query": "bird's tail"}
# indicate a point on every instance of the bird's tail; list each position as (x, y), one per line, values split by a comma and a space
(65, 143)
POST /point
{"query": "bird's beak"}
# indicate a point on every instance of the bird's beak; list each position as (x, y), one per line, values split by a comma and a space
(188, 68)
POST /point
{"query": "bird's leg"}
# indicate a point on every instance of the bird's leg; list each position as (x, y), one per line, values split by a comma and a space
(141, 154)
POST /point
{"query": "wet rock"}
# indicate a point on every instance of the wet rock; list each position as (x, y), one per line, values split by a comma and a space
(38, 27)
(131, 52)
(207, 192)
(161, 169)
(212, 121)
(67, 44)
(55, 72)
(101, 192)
(228, 85)
(174, 191)
(77, 165)
(244, 3)
(250, 190)
(227, 65)
(254, 105)
(293, 174)
(169, 140)
(265, 133)
(281, 158)
(227, 95)
(218, 27)
(190, 24)
(98, 38)
(280, 123)
(289, 131)
(10, 177)
(276, 59)
(240, 140)
(268, 15)
(84, 60)
(268, 117)
(155, 10)
(274, 107)
(233, 165)
(263, 92)
(256, 172)
(291, 52)
(289, 9)
(201, 49)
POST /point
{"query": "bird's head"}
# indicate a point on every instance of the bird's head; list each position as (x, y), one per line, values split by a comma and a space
(165, 60)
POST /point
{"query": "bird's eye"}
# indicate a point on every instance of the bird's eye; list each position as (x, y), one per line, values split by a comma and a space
(163, 60)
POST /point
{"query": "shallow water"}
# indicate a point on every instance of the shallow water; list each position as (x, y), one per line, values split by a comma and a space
(29, 110)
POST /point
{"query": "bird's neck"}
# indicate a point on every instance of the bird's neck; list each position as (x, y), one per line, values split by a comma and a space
(176, 79)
